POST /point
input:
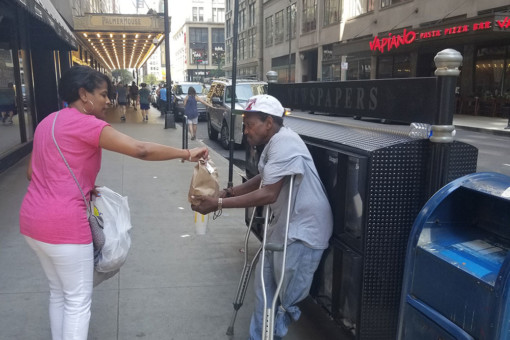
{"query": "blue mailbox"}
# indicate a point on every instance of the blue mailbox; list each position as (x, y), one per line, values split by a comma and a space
(457, 271)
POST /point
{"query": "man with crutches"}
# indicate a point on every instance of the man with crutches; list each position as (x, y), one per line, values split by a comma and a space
(285, 159)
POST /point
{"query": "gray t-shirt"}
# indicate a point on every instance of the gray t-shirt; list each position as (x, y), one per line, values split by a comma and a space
(311, 219)
(122, 92)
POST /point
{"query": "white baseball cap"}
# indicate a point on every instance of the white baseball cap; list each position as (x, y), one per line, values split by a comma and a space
(266, 104)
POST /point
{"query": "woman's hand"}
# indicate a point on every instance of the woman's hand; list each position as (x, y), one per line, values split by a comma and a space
(197, 153)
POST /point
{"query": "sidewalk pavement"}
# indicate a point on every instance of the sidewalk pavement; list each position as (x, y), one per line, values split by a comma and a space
(174, 284)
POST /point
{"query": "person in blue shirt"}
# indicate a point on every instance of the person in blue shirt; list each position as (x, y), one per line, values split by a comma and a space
(162, 106)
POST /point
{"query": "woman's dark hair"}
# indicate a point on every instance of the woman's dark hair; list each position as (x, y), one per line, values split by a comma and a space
(82, 76)
(191, 91)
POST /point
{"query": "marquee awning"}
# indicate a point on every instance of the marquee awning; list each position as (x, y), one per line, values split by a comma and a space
(46, 13)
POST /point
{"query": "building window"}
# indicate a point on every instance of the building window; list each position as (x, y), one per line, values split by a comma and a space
(278, 27)
(228, 28)
(198, 42)
(332, 11)
(386, 3)
(251, 14)
(358, 7)
(269, 31)
(309, 15)
(251, 44)
(218, 15)
(217, 36)
(291, 19)
(492, 80)
(397, 66)
(358, 68)
(198, 14)
(241, 49)
(242, 19)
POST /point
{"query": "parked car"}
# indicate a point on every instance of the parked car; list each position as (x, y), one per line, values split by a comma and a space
(180, 91)
(218, 118)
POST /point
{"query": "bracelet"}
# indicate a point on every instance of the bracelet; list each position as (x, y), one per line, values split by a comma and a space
(218, 212)
(189, 155)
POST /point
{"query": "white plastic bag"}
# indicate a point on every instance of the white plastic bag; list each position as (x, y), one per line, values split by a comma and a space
(114, 210)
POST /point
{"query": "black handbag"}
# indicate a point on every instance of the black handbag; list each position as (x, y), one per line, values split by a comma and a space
(94, 218)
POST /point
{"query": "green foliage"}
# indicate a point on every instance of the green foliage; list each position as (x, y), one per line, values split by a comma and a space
(150, 79)
(123, 75)
(216, 73)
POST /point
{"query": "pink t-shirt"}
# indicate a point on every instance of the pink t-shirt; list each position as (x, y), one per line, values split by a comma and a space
(53, 210)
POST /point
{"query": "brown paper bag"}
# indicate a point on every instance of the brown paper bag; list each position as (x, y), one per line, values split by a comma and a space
(204, 181)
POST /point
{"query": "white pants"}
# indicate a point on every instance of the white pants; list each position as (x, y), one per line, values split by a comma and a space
(69, 269)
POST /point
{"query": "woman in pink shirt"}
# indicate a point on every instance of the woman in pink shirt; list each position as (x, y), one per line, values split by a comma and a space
(53, 215)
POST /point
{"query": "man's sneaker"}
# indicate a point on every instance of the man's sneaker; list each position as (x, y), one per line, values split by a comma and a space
(122, 117)
(9, 121)
(4, 119)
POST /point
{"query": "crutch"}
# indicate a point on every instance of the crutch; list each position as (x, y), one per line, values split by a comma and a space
(269, 313)
(245, 275)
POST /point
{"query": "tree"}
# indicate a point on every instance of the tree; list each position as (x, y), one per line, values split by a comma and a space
(122, 75)
(150, 79)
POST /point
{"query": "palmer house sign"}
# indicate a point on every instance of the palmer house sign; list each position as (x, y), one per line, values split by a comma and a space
(121, 21)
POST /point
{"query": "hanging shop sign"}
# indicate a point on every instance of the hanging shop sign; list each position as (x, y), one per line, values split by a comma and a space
(408, 37)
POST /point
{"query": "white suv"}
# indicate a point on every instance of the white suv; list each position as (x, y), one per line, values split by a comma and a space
(218, 118)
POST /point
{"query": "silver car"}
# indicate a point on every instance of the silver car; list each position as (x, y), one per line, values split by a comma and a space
(218, 118)
(180, 91)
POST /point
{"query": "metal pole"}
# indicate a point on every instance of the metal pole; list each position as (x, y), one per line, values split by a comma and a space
(447, 70)
(169, 116)
(290, 38)
(233, 99)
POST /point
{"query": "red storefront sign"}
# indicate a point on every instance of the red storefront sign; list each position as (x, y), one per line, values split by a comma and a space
(408, 37)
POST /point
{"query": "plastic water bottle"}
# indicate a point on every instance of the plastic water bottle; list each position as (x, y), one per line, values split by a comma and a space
(420, 130)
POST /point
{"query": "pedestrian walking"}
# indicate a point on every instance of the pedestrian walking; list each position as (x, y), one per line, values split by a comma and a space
(144, 94)
(133, 94)
(122, 99)
(191, 110)
(311, 219)
(53, 215)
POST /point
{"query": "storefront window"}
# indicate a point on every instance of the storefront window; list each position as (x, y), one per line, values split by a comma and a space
(395, 66)
(492, 72)
(10, 135)
(358, 68)
(331, 72)
(492, 80)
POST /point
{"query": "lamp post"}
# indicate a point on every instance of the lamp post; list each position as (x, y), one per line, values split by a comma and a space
(233, 99)
(447, 70)
(290, 38)
(169, 116)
